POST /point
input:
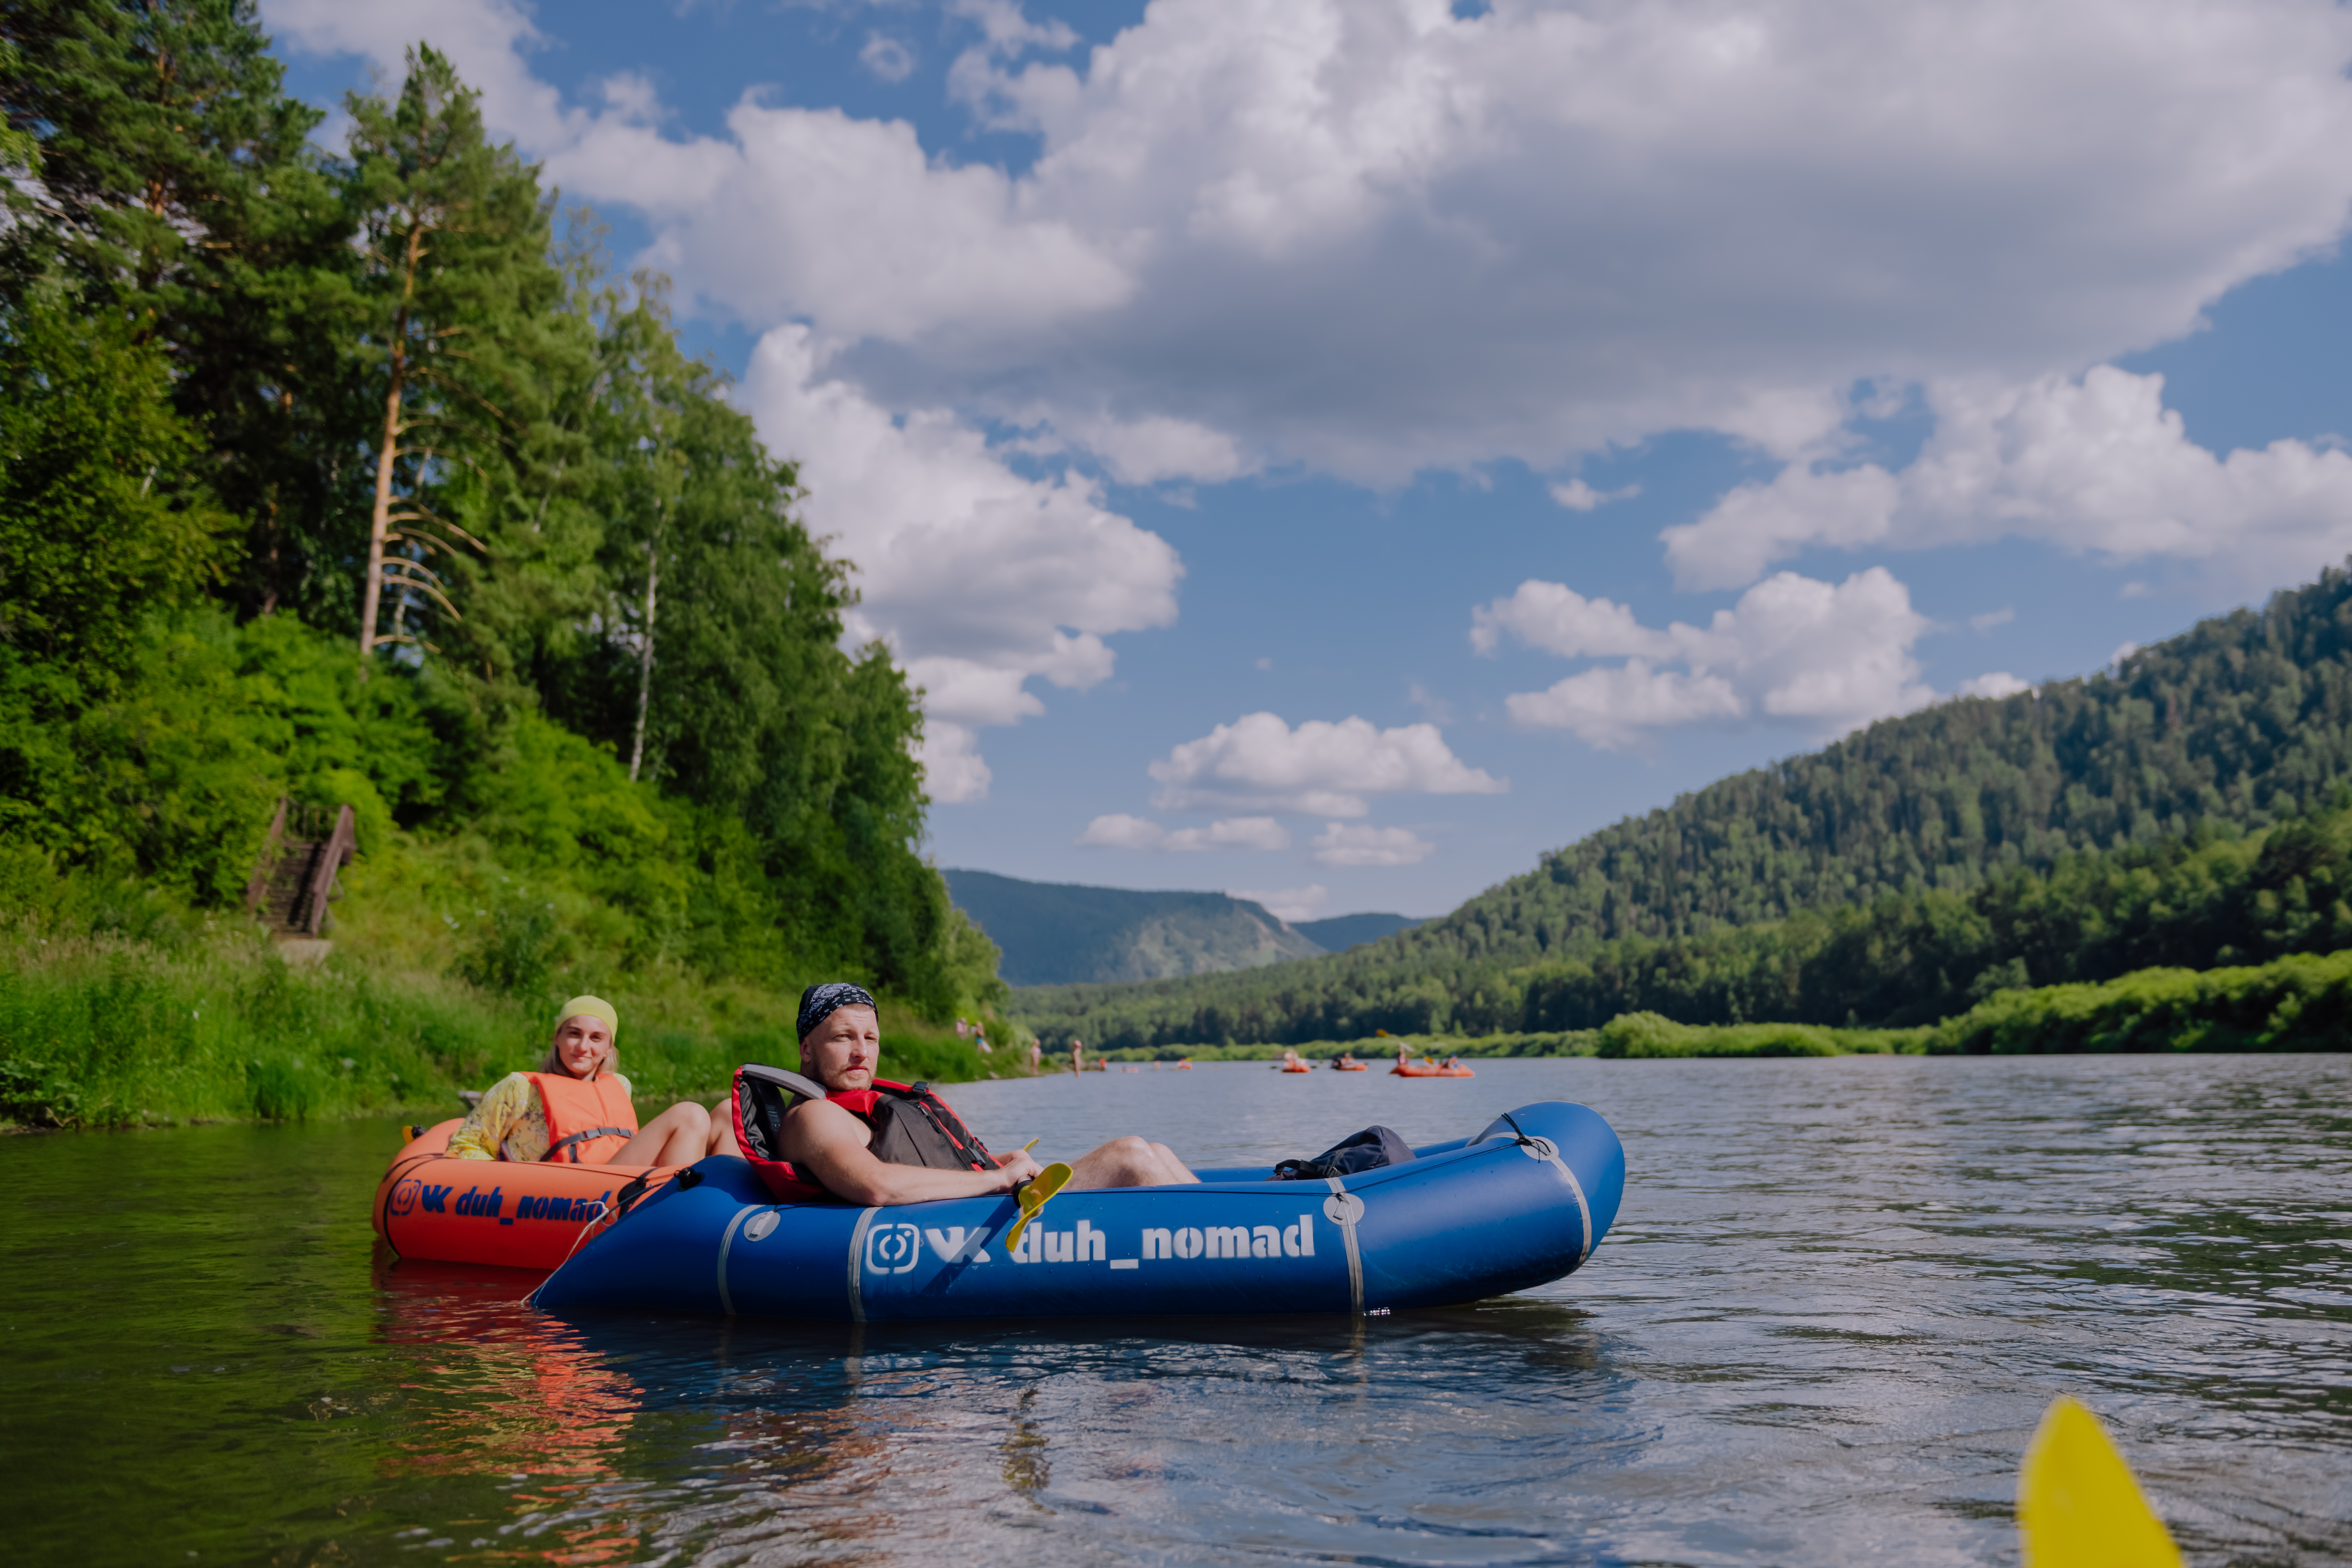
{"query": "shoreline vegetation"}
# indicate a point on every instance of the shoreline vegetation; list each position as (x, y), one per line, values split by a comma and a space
(2301, 1003)
(100, 1031)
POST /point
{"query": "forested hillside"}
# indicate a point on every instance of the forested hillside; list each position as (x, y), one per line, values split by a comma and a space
(358, 475)
(2070, 833)
(1052, 932)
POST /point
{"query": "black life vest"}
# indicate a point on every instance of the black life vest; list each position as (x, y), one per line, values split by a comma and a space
(906, 1124)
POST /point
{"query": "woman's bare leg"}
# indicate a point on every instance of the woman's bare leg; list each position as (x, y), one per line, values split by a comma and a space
(1128, 1163)
(679, 1136)
(722, 1134)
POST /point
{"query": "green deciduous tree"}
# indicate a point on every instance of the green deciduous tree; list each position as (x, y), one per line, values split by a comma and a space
(100, 524)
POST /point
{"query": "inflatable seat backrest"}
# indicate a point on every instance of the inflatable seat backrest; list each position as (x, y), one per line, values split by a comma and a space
(763, 1095)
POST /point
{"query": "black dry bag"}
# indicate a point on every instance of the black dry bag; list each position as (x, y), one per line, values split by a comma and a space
(1365, 1151)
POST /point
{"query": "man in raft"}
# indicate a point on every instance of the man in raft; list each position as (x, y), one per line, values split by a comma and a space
(575, 1109)
(829, 1144)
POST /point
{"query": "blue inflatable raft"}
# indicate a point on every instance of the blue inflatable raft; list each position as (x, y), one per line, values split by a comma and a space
(1523, 1203)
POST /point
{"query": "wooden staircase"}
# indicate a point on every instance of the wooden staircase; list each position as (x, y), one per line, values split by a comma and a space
(295, 877)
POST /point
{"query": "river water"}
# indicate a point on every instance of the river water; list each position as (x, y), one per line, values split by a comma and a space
(1838, 1296)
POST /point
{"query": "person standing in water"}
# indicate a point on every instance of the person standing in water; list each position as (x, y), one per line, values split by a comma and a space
(575, 1110)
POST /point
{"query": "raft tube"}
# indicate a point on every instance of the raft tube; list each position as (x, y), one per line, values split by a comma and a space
(444, 1210)
(1511, 1208)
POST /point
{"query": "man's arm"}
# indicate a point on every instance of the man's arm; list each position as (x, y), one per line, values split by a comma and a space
(829, 1144)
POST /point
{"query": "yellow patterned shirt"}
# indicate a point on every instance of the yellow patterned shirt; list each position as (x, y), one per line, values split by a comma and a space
(509, 1124)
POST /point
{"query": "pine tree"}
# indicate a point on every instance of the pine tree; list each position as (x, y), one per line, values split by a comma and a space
(178, 188)
(457, 284)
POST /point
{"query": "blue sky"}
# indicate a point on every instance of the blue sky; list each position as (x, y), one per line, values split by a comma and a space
(1196, 389)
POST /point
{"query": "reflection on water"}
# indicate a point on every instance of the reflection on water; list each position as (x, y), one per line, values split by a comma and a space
(1835, 1301)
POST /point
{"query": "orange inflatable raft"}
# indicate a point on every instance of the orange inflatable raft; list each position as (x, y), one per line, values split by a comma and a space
(1427, 1069)
(429, 1205)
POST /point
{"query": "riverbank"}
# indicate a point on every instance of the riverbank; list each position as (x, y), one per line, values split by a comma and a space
(2301, 1003)
(98, 1031)
(1374, 1048)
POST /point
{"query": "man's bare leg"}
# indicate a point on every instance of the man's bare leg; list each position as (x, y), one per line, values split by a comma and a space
(1128, 1163)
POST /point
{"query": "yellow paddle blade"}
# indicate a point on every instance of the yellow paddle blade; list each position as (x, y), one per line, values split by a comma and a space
(2077, 1504)
(1033, 1194)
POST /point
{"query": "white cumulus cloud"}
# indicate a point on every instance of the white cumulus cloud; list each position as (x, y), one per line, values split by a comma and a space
(1824, 657)
(2093, 464)
(979, 578)
(1119, 831)
(1998, 683)
(1558, 619)
(1259, 762)
(1578, 496)
(953, 770)
(1371, 236)
(1342, 844)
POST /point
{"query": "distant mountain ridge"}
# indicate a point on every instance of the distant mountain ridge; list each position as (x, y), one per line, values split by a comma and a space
(1060, 932)
(1341, 932)
(2241, 723)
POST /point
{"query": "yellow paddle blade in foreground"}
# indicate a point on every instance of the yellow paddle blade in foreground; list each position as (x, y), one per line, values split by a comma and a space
(1033, 1194)
(2077, 1504)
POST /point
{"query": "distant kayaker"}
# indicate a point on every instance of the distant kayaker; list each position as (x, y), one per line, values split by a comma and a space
(841, 1044)
(575, 1110)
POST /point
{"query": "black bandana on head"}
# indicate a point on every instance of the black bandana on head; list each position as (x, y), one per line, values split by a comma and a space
(819, 1003)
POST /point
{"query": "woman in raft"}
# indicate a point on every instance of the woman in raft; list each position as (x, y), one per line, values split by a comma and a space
(575, 1109)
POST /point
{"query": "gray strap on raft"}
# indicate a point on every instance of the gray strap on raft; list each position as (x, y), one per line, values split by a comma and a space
(582, 1137)
(806, 1088)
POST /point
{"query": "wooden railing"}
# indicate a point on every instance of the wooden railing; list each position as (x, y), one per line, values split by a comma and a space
(295, 877)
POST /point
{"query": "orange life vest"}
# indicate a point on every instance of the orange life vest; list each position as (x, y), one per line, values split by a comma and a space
(587, 1122)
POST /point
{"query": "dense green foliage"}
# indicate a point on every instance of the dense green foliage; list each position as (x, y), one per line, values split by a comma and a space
(359, 479)
(2184, 810)
(2302, 1003)
(1644, 1034)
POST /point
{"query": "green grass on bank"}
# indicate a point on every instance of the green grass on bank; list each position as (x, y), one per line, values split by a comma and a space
(105, 1031)
(1638, 1035)
(2301, 1003)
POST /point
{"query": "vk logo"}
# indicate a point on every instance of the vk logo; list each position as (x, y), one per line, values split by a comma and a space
(893, 1249)
(958, 1242)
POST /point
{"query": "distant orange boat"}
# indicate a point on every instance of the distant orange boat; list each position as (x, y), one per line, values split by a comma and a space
(1427, 1067)
(1349, 1064)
